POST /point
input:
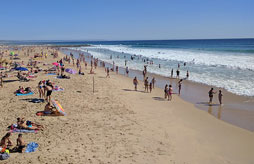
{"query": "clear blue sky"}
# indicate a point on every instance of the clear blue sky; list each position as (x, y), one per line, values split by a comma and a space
(125, 19)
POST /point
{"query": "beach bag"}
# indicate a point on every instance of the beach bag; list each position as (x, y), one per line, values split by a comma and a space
(4, 156)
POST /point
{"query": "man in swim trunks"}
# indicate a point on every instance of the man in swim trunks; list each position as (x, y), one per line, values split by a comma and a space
(20, 144)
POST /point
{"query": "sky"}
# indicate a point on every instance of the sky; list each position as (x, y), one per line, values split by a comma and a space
(125, 19)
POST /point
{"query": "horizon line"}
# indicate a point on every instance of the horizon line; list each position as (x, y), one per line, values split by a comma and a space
(97, 40)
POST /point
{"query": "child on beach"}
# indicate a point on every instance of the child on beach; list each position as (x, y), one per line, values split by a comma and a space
(170, 92)
(151, 86)
(20, 144)
(220, 97)
(135, 82)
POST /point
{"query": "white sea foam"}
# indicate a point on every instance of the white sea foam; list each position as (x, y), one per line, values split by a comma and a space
(229, 71)
(235, 61)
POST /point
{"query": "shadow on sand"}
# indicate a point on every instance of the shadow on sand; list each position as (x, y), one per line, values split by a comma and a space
(159, 98)
(207, 104)
(129, 90)
(33, 100)
(9, 81)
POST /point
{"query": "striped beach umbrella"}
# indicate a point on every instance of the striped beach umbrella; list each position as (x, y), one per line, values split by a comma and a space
(58, 106)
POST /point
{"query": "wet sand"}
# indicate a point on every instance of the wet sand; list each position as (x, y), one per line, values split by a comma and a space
(236, 110)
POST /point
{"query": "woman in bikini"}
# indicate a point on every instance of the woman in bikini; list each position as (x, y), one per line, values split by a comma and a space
(40, 88)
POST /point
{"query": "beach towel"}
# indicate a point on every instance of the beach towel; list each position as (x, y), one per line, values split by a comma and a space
(51, 74)
(26, 94)
(31, 147)
(58, 89)
(15, 130)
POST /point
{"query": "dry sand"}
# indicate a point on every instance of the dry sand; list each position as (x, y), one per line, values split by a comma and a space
(118, 125)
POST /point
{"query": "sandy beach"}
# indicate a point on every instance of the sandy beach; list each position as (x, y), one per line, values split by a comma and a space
(116, 124)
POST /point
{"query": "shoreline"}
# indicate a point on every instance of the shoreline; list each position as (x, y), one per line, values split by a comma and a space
(236, 109)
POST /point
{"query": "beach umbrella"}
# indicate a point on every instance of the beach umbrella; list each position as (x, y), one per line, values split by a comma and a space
(21, 69)
(55, 64)
(12, 53)
(58, 107)
(71, 71)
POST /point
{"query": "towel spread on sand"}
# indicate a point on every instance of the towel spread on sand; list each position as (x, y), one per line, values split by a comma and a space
(58, 89)
(26, 94)
(31, 147)
(15, 130)
(51, 74)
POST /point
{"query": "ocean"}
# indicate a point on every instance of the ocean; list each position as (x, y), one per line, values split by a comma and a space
(224, 63)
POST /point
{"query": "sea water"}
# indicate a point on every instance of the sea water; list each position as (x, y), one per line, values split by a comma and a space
(224, 63)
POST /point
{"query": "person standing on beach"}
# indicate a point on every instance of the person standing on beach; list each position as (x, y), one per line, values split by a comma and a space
(177, 73)
(116, 69)
(40, 88)
(170, 92)
(180, 86)
(1, 80)
(151, 86)
(107, 73)
(220, 97)
(146, 84)
(187, 74)
(153, 82)
(135, 82)
(211, 93)
(166, 91)
(127, 71)
(172, 72)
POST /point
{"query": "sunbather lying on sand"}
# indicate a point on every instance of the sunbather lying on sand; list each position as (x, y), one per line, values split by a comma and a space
(23, 91)
(22, 124)
(20, 120)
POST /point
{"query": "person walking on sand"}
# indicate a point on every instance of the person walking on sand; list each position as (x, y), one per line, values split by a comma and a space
(146, 84)
(107, 73)
(153, 82)
(170, 92)
(135, 82)
(166, 91)
(211, 93)
(172, 72)
(220, 97)
(180, 86)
